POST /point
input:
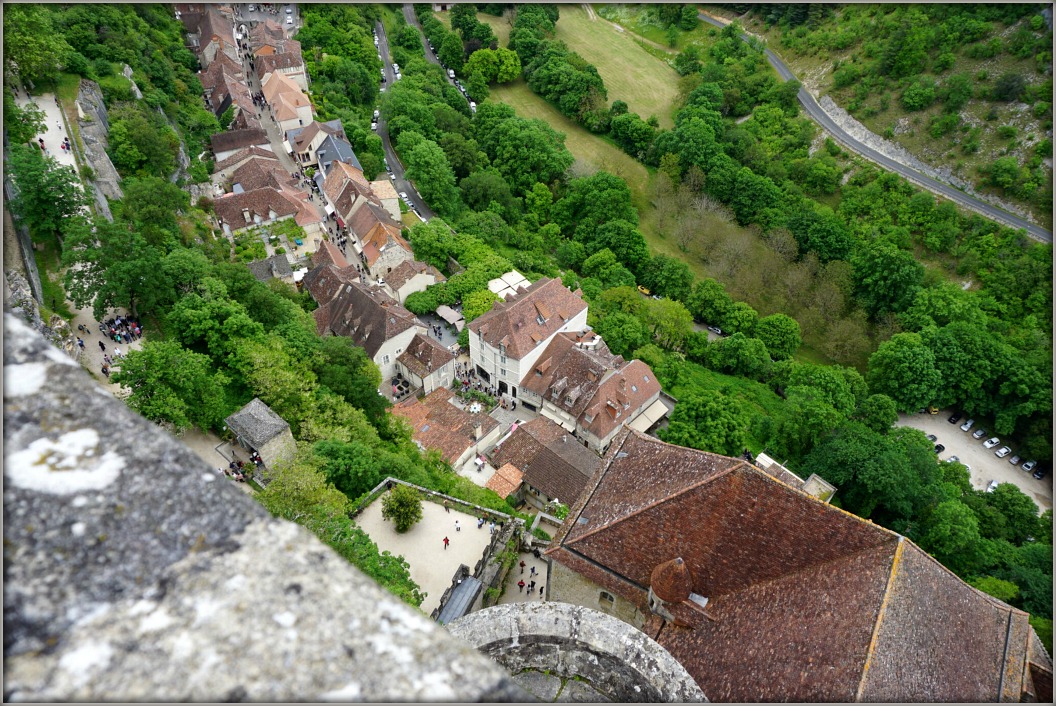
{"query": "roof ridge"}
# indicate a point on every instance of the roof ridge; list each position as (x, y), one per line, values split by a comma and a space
(895, 562)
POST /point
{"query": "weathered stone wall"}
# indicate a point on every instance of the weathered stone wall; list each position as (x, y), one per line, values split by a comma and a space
(94, 124)
(569, 587)
(133, 571)
(19, 297)
(621, 663)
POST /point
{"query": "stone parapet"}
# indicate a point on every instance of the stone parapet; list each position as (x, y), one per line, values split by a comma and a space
(134, 572)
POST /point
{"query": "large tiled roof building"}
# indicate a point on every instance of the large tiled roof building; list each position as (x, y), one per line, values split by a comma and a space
(764, 593)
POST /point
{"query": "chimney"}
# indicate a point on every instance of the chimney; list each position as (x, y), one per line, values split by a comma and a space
(245, 215)
(478, 431)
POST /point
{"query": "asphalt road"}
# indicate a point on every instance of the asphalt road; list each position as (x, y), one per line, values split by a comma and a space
(430, 56)
(926, 182)
(400, 182)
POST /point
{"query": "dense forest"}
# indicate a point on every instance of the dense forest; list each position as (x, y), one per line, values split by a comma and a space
(507, 198)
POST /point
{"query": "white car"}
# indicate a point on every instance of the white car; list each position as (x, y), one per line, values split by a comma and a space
(991, 442)
(1014, 460)
(252, 8)
(1002, 452)
(992, 486)
(289, 19)
(396, 68)
(473, 106)
(1029, 466)
(967, 425)
(392, 176)
(374, 126)
(403, 195)
(377, 114)
(289, 10)
(450, 73)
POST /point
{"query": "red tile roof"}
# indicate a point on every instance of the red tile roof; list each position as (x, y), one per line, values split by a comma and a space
(231, 208)
(505, 480)
(260, 172)
(328, 253)
(407, 269)
(424, 356)
(245, 154)
(553, 461)
(806, 602)
(238, 139)
(324, 281)
(440, 425)
(366, 314)
(517, 320)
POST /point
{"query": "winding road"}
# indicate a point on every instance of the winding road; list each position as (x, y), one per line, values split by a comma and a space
(936, 187)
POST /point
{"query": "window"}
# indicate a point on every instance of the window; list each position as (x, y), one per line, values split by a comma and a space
(540, 320)
(502, 359)
(385, 360)
(502, 372)
(606, 601)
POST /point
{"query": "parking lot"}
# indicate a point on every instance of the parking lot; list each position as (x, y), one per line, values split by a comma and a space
(985, 466)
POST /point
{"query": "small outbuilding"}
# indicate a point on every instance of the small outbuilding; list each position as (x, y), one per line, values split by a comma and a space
(257, 427)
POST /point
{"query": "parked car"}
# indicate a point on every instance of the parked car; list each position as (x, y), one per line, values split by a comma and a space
(954, 418)
(1029, 466)
(392, 176)
(396, 68)
(939, 448)
(991, 442)
(1002, 452)
(992, 486)
(967, 425)
(715, 330)
(473, 106)
(1040, 473)
(289, 10)
(979, 433)
(643, 290)
(403, 195)
(932, 437)
(1014, 460)
(374, 125)
(450, 73)
(289, 19)
(377, 114)
(252, 8)
(954, 459)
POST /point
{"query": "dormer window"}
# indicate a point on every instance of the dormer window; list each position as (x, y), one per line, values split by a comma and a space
(540, 320)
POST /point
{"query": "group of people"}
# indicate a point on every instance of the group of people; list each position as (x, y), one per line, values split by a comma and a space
(531, 587)
(119, 329)
(438, 331)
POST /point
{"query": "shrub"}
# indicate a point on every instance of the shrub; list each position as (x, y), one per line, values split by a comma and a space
(919, 95)
(403, 506)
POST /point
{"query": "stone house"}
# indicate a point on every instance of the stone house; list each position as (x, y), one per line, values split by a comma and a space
(249, 208)
(304, 142)
(284, 58)
(329, 274)
(289, 105)
(578, 383)
(274, 267)
(373, 320)
(222, 171)
(457, 434)
(765, 594)
(411, 276)
(426, 363)
(213, 34)
(257, 427)
(506, 342)
(553, 466)
(226, 144)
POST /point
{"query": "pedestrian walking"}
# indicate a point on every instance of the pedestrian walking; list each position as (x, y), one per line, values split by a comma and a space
(446, 542)
(532, 572)
(522, 566)
(480, 522)
(491, 529)
(520, 585)
(447, 508)
(541, 591)
(106, 371)
(80, 342)
(531, 587)
(458, 527)
(102, 346)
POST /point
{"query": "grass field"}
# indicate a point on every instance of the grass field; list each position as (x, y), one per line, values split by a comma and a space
(647, 84)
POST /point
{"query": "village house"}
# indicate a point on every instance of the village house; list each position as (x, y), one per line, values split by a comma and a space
(578, 383)
(765, 594)
(374, 321)
(223, 170)
(265, 37)
(506, 342)
(346, 191)
(330, 272)
(289, 105)
(331, 150)
(457, 434)
(261, 172)
(426, 364)
(210, 31)
(274, 267)
(411, 276)
(380, 239)
(553, 466)
(284, 59)
(304, 142)
(251, 208)
(256, 427)
(226, 144)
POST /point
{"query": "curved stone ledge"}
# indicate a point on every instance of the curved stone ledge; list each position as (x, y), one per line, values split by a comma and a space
(569, 641)
(133, 571)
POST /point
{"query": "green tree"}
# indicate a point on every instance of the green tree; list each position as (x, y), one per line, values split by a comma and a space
(669, 321)
(152, 205)
(48, 197)
(886, 279)
(739, 355)
(428, 168)
(21, 124)
(451, 53)
(110, 265)
(33, 47)
(623, 333)
(403, 506)
(509, 67)
(664, 275)
(484, 62)
(709, 301)
(903, 368)
(168, 383)
(714, 423)
(877, 412)
(345, 369)
(227, 117)
(352, 467)
(740, 317)
(781, 335)
(952, 536)
(477, 303)
(1001, 590)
